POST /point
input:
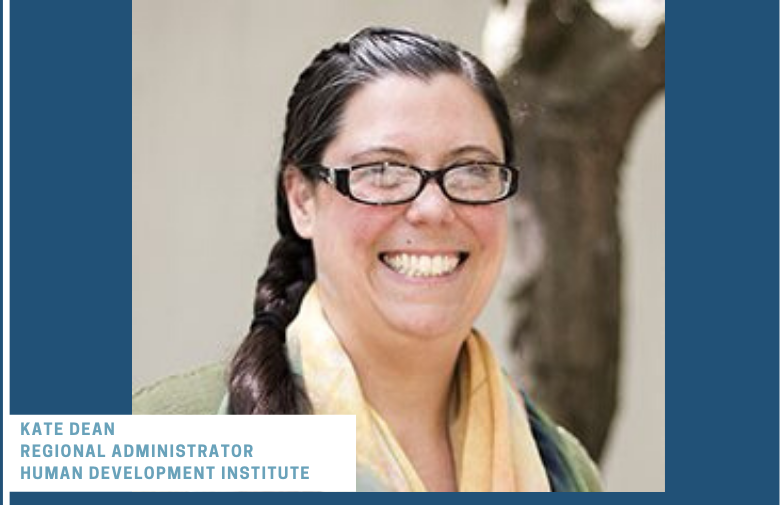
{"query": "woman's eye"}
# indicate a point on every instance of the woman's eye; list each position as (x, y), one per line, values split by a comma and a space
(381, 175)
(377, 169)
(479, 171)
(385, 175)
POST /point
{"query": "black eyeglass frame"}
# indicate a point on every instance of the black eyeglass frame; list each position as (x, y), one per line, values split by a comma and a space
(339, 178)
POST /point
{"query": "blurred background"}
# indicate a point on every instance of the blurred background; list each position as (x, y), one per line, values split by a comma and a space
(210, 83)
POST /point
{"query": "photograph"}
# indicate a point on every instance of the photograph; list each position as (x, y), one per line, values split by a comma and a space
(445, 219)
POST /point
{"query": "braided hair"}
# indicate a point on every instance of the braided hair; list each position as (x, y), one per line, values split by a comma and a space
(260, 377)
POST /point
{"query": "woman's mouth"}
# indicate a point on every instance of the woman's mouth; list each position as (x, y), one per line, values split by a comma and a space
(417, 265)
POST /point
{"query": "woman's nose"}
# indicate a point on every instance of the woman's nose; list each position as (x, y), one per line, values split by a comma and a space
(431, 206)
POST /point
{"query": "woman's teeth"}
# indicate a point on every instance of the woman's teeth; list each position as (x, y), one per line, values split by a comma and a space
(412, 265)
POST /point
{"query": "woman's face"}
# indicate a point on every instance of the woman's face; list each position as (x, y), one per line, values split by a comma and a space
(370, 259)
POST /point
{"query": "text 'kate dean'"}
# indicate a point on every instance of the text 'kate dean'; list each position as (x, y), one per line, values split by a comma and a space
(49, 428)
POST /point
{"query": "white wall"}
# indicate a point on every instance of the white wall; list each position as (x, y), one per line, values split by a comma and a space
(635, 460)
(210, 82)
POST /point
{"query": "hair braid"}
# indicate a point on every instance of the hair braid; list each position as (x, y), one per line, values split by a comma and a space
(261, 381)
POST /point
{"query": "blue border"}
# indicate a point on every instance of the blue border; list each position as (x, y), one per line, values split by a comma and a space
(723, 263)
(70, 207)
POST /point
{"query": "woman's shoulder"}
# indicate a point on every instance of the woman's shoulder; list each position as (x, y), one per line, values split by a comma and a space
(567, 463)
(197, 392)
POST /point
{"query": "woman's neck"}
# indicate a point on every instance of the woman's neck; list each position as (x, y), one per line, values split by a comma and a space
(410, 386)
(406, 382)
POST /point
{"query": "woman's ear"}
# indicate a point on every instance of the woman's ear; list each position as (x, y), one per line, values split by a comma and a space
(301, 201)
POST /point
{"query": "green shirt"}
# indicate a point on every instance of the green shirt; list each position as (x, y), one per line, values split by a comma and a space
(203, 392)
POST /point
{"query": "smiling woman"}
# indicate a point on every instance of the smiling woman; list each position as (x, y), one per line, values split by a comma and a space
(392, 207)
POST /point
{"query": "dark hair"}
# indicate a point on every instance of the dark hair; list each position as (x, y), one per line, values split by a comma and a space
(261, 381)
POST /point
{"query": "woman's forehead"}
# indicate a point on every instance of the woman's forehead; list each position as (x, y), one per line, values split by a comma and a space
(405, 115)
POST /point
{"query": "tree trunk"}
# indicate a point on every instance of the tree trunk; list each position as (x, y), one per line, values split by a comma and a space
(575, 93)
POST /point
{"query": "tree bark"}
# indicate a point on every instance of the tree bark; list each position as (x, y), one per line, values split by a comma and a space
(575, 93)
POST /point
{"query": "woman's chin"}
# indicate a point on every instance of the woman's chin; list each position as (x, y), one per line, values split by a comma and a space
(425, 323)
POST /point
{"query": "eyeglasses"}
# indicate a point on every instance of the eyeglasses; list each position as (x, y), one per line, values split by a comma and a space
(474, 183)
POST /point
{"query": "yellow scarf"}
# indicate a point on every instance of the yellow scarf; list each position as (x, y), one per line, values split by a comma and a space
(493, 446)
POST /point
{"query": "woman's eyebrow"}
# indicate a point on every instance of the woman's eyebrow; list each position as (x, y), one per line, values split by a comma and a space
(375, 151)
(472, 150)
(397, 153)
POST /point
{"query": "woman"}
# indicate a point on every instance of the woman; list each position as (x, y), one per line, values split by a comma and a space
(396, 167)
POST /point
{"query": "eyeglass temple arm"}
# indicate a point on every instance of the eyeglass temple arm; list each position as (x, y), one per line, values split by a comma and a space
(336, 177)
(327, 174)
